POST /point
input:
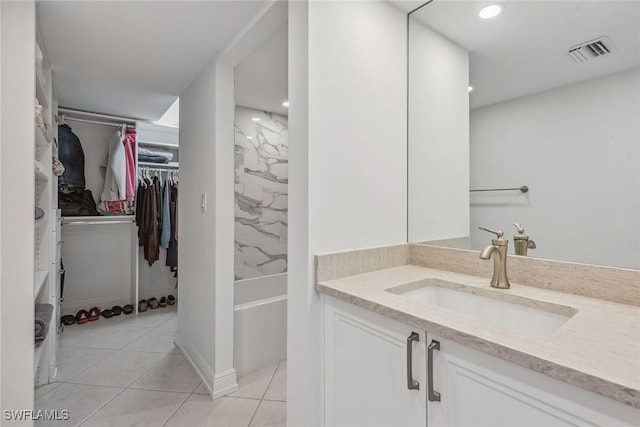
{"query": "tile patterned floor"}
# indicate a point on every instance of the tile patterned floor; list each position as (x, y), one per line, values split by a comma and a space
(126, 371)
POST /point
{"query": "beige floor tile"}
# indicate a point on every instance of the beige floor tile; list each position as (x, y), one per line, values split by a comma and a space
(138, 408)
(171, 324)
(72, 361)
(76, 335)
(119, 369)
(201, 390)
(173, 373)
(46, 388)
(277, 390)
(254, 385)
(114, 337)
(153, 318)
(79, 399)
(199, 410)
(271, 414)
(156, 341)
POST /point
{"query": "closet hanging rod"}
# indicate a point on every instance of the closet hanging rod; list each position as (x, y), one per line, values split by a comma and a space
(157, 165)
(162, 170)
(88, 114)
(96, 122)
(524, 189)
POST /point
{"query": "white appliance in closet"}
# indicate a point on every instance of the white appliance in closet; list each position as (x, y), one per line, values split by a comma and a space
(104, 265)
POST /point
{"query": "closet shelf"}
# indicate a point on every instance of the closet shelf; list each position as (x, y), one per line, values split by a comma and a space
(172, 165)
(41, 172)
(39, 279)
(92, 220)
(168, 145)
(41, 138)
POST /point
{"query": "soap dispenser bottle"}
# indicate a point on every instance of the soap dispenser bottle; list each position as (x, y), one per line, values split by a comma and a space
(521, 242)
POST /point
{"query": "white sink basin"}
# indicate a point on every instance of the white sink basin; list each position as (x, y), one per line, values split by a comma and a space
(489, 307)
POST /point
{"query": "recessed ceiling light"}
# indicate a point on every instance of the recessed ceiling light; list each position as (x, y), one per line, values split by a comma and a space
(256, 119)
(470, 88)
(249, 137)
(491, 11)
(285, 104)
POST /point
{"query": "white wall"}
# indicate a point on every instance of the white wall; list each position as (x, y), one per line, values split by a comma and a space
(347, 189)
(438, 136)
(577, 148)
(197, 256)
(17, 150)
(205, 291)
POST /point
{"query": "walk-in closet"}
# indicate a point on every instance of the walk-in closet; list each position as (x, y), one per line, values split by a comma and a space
(120, 252)
(106, 219)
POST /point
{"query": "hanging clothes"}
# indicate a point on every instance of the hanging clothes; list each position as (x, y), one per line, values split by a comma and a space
(166, 220)
(172, 251)
(116, 171)
(156, 217)
(71, 155)
(129, 143)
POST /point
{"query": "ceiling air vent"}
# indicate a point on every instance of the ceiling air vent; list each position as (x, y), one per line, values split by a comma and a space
(591, 49)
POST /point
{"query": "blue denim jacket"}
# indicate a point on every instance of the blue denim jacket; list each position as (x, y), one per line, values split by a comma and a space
(71, 155)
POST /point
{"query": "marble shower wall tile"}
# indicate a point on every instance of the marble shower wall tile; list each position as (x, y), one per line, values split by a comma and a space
(261, 193)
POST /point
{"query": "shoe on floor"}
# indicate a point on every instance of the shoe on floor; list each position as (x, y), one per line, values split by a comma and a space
(143, 305)
(69, 319)
(82, 317)
(94, 313)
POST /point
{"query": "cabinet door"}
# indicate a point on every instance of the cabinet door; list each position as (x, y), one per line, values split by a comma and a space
(480, 390)
(366, 361)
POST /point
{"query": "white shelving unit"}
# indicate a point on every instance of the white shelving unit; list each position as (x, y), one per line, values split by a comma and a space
(39, 279)
(163, 138)
(44, 282)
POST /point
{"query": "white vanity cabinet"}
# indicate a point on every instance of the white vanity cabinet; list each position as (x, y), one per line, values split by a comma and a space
(480, 390)
(366, 382)
(366, 369)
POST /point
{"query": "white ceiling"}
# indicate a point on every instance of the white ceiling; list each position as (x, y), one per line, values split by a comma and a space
(524, 49)
(133, 58)
(261, 78)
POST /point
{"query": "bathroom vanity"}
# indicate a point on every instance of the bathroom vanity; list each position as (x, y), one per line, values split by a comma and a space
(411, 345)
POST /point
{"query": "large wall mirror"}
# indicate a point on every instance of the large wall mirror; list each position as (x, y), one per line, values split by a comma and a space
(546, 94)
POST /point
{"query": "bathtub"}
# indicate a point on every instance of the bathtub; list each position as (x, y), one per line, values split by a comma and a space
(260, 328)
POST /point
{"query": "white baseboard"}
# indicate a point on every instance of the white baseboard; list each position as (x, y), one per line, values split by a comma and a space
(224, 383)
(216, 385)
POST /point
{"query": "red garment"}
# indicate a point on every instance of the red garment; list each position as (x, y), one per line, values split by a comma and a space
(129, 142)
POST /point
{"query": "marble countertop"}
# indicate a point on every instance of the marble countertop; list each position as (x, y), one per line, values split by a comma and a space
(597, 349)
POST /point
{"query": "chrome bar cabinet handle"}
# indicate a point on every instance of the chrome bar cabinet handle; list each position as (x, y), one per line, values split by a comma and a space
(411, 383)
(433, 395)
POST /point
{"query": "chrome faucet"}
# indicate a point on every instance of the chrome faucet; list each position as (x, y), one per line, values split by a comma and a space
(521, 242)
(498, 249)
